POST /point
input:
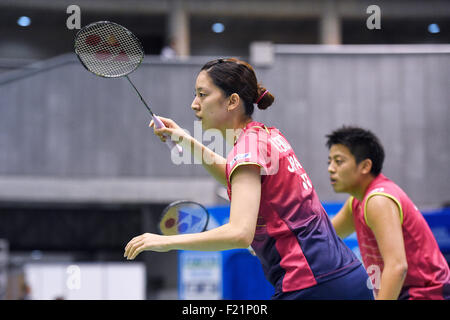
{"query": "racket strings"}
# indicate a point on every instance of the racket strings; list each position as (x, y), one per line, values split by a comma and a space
(183, 217)
(108, 49)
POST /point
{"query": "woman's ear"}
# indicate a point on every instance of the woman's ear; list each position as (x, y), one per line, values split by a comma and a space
(233, 102)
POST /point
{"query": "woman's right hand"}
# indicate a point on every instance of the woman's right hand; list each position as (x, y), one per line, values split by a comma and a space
(171, 131)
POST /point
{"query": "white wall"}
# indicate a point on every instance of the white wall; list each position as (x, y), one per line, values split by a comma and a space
(86, 281)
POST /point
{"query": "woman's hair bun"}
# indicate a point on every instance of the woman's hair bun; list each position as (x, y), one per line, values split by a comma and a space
(265, 98)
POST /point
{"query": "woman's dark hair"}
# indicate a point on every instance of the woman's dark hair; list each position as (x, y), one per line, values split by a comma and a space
(363, 144)
(236, 76)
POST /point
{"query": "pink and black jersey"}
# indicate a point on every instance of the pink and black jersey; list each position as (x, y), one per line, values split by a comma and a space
(294, 238)
(428, 275)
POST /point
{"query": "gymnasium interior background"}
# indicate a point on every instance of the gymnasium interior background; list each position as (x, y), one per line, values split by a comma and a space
(81, 173)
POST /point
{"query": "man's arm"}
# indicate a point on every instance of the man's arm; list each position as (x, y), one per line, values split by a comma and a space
(383, 217)
(343, 220)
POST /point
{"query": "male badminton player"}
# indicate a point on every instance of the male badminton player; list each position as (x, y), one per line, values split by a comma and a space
(397, 246)
(274, 206)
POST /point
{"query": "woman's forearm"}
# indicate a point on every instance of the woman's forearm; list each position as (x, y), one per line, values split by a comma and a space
(213, 163)
(225, 237)
(221, 238)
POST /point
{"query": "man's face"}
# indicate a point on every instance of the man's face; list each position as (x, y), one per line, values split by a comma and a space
(344, 173)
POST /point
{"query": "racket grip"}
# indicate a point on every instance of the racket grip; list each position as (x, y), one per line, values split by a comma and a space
(169, 142)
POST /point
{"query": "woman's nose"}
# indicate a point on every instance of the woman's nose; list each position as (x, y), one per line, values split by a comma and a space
(195, 106)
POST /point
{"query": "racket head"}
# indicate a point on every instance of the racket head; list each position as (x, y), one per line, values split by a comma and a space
(183, 216)
(108, 49)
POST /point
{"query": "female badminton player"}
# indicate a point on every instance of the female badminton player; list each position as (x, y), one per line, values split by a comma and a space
(274, 206)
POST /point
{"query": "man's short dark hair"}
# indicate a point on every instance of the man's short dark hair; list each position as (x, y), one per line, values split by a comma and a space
(363, 144)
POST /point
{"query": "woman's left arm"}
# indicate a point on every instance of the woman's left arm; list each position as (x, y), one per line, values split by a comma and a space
(237, 233)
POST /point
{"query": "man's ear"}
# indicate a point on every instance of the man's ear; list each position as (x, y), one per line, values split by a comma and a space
(233, 102)
(366, 166)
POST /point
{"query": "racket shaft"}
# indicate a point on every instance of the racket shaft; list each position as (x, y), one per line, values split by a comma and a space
(139, 95)
(158, 123)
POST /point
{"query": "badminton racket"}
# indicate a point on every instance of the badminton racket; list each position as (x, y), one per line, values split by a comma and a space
(183, 216)
(110, 50)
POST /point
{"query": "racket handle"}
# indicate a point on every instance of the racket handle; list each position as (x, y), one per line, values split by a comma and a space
(171, 144)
